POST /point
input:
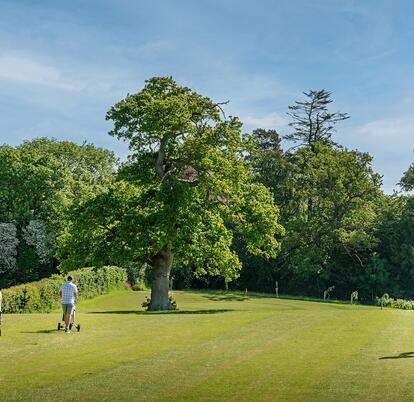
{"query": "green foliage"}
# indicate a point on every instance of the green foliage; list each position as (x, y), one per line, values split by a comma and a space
(336, 193)
(26, 170)
(407, 180)
(139, 286)
(22, 299)
(42, 296)
(39, 180)
(387, 301)
(329, 207)
(375, 277)
(396, 234)
(137, 274)
(218, 205)
(184, 191)
(93, 282)
(102, 230)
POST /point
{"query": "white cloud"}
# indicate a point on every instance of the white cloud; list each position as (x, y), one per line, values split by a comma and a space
(271, 120)
(392, 135)
(26, 70)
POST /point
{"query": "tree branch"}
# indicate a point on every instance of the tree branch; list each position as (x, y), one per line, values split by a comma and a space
(159, 162)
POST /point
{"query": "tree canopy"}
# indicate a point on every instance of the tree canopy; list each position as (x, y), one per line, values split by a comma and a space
(192, 187)
(39, 180)
(201, 201)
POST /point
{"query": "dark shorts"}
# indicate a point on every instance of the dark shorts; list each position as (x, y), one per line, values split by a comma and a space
(68, 309)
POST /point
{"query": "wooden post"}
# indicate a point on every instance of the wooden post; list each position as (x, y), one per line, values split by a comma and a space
(277, 288)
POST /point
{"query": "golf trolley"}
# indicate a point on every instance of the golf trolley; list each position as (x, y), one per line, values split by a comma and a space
(72, 323)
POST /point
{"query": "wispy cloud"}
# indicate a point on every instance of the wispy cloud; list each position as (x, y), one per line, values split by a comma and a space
(148, 49)
(26, 70)
(272, 120)
(394, 135)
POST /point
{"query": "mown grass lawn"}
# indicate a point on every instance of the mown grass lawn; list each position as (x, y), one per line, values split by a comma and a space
(219, 346)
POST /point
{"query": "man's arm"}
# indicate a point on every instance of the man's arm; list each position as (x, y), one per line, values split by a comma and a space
(60, 294)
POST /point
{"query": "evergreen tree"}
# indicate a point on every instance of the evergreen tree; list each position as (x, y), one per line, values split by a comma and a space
(312, 121)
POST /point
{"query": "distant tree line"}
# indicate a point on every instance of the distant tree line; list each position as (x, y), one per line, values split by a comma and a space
(39, 180)
(218, 208)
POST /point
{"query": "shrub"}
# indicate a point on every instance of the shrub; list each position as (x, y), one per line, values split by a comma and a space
(21, 299)
(41, 296)
(387, 301)
(139, 285)
(137, 273)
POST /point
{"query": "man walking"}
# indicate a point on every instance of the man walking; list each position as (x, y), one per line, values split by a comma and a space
(68, 294)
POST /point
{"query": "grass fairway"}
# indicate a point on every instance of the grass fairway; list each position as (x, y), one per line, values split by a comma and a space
(224, 347)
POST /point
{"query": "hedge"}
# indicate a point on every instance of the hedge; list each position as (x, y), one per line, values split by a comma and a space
(42, 296)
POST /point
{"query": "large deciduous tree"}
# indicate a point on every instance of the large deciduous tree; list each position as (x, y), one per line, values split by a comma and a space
(189, 189)
(339, 236)
(396, 233)
(334, 244)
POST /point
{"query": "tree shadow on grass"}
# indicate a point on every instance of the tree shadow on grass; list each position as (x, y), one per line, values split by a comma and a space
(140, 312)
(405, 355)
(230, 297)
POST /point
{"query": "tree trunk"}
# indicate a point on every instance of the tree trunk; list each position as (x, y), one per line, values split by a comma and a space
(161, 267)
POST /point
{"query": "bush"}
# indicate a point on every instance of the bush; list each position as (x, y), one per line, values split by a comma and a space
(41, 296)
(139, 285)
(387, 301)
(21, 299)
(137, 274)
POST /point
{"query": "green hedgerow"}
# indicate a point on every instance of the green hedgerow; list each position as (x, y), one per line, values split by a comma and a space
(41, 296)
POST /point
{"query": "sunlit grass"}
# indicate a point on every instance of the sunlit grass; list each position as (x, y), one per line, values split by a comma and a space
(218, 346)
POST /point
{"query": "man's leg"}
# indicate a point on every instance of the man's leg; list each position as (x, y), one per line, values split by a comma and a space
(67, 318)
(66, 315)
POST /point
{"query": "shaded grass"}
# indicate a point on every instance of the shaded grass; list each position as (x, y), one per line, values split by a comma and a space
(227, 347)
(241, 296)
(140, 312)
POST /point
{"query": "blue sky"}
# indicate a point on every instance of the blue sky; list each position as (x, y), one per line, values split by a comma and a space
(63, 64)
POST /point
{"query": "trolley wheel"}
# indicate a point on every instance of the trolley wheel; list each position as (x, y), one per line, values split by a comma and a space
(78, 327)
(59, 326)
(70, 326)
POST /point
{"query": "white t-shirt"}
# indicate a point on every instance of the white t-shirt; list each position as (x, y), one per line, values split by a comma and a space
(68, 290)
